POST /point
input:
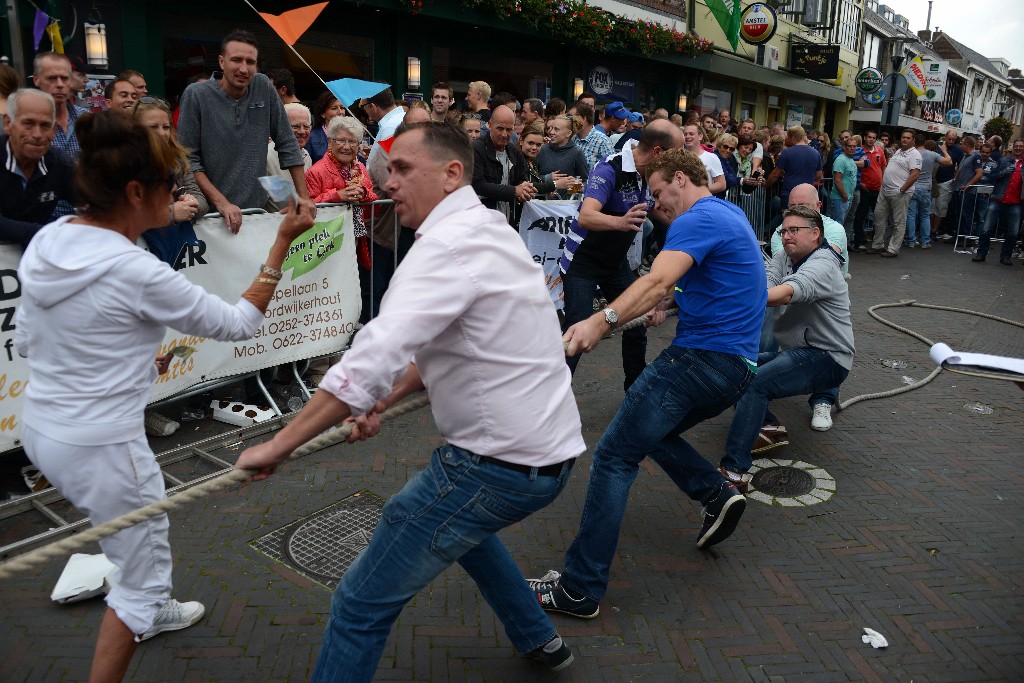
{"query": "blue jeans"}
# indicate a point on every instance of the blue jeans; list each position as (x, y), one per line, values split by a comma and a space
(579, 305)
(837, 208)
(1010, 215)
(450, 512)
(679, 389)
(918, 221)
(787, 373)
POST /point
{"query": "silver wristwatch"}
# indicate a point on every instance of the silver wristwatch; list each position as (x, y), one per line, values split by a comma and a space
(611, 317)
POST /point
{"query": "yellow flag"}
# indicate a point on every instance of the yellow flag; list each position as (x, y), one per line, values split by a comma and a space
(53, 30)
(914, 72)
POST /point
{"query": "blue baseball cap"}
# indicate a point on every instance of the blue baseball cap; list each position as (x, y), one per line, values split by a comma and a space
(636, 117)
(617, 110)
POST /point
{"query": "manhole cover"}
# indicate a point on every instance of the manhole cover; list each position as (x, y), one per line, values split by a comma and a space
(789, 483)
(327, 544)
(323, 545)
(783, 481)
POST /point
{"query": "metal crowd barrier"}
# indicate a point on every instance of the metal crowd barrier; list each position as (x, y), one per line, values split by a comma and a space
(754, 205)
(973, 196)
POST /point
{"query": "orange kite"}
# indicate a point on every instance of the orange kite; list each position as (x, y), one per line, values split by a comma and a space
(292, 24)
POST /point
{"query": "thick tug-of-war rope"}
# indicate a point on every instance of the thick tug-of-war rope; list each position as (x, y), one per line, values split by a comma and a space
(332, 436)
(921, 337)
(338, 434)
(68, 545)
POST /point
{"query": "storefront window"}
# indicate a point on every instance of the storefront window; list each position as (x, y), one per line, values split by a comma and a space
(748, 104)
(502, 73)
(713, 99)
(332, 55)
(800, 112)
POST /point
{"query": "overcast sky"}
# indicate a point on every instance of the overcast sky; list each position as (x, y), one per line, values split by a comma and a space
(995, 28)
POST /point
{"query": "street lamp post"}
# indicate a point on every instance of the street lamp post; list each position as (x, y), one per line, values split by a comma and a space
(897, 88)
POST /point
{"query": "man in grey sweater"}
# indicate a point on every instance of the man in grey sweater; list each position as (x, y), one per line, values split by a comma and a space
(812, 327)
(225, 125)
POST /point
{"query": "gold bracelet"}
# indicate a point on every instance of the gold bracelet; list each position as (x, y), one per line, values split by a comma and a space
(267, 281)
(272, 272)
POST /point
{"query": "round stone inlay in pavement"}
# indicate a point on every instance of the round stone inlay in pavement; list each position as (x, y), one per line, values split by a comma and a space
(325, 545)
(789, 483)
(783, 481)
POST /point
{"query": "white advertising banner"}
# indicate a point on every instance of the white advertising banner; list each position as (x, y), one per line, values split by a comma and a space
(935, 73)
(543, 226)
(313, 312)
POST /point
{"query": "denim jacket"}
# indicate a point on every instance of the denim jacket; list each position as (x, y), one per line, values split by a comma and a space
(1000, 177)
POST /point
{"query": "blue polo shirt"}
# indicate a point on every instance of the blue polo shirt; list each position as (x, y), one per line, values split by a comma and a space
(722, 298)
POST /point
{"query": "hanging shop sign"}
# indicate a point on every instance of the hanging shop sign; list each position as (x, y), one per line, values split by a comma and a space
(954, 117)
(873, 97)
(820, 62)
(868, 80)
(758, 23)
(935, 73)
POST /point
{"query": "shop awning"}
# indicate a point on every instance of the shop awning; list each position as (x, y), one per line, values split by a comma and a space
(748, 71)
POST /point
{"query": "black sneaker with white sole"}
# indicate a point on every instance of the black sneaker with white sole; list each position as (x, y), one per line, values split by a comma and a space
(721, 515)
(557, 599)
(555, 655)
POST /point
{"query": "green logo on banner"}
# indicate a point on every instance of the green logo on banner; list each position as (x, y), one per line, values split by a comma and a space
(314, 246)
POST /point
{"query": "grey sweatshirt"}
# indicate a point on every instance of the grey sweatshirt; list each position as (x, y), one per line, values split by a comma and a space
(569, 160)
(819, 314)
(227, 138)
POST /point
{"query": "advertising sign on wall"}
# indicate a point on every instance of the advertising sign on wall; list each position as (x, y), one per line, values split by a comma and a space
(815, 61)
(612, 84)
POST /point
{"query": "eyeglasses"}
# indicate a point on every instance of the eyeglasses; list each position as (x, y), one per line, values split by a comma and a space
(727, 148)
(301, 126)
(793, 231)
(344, 143)
(472, 116)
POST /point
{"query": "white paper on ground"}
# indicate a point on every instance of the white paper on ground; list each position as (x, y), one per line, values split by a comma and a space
(876, 639)
(83, 577)
(941, 353)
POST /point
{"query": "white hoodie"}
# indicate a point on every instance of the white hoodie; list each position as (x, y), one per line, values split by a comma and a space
(93, 313)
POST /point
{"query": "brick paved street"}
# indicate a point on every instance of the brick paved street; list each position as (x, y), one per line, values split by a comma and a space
(922, 540)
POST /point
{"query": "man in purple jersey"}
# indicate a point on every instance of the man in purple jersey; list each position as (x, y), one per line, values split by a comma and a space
(613, 211)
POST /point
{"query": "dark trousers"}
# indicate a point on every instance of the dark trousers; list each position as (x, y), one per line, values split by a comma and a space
(868, 199)
(579, 304)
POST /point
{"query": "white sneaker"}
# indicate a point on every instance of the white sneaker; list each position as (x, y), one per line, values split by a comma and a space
(821, 420)
(158, 425)
(174, 616)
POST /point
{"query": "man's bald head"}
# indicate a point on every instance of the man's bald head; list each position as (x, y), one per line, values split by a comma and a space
(416, 115)
(503, 119)
(503, 114)
(661, 133)
(805, 194)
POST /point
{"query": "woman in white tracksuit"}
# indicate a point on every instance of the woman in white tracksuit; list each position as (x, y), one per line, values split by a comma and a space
(94, 310)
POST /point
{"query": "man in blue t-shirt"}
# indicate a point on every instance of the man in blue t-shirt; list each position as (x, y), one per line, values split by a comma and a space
(799, 163)
(612, 213)
(712, 265)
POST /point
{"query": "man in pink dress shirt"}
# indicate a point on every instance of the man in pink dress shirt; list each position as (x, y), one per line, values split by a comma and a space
(467, 316)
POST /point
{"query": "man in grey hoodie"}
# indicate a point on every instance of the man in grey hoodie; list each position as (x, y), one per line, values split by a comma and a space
(812, 327)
